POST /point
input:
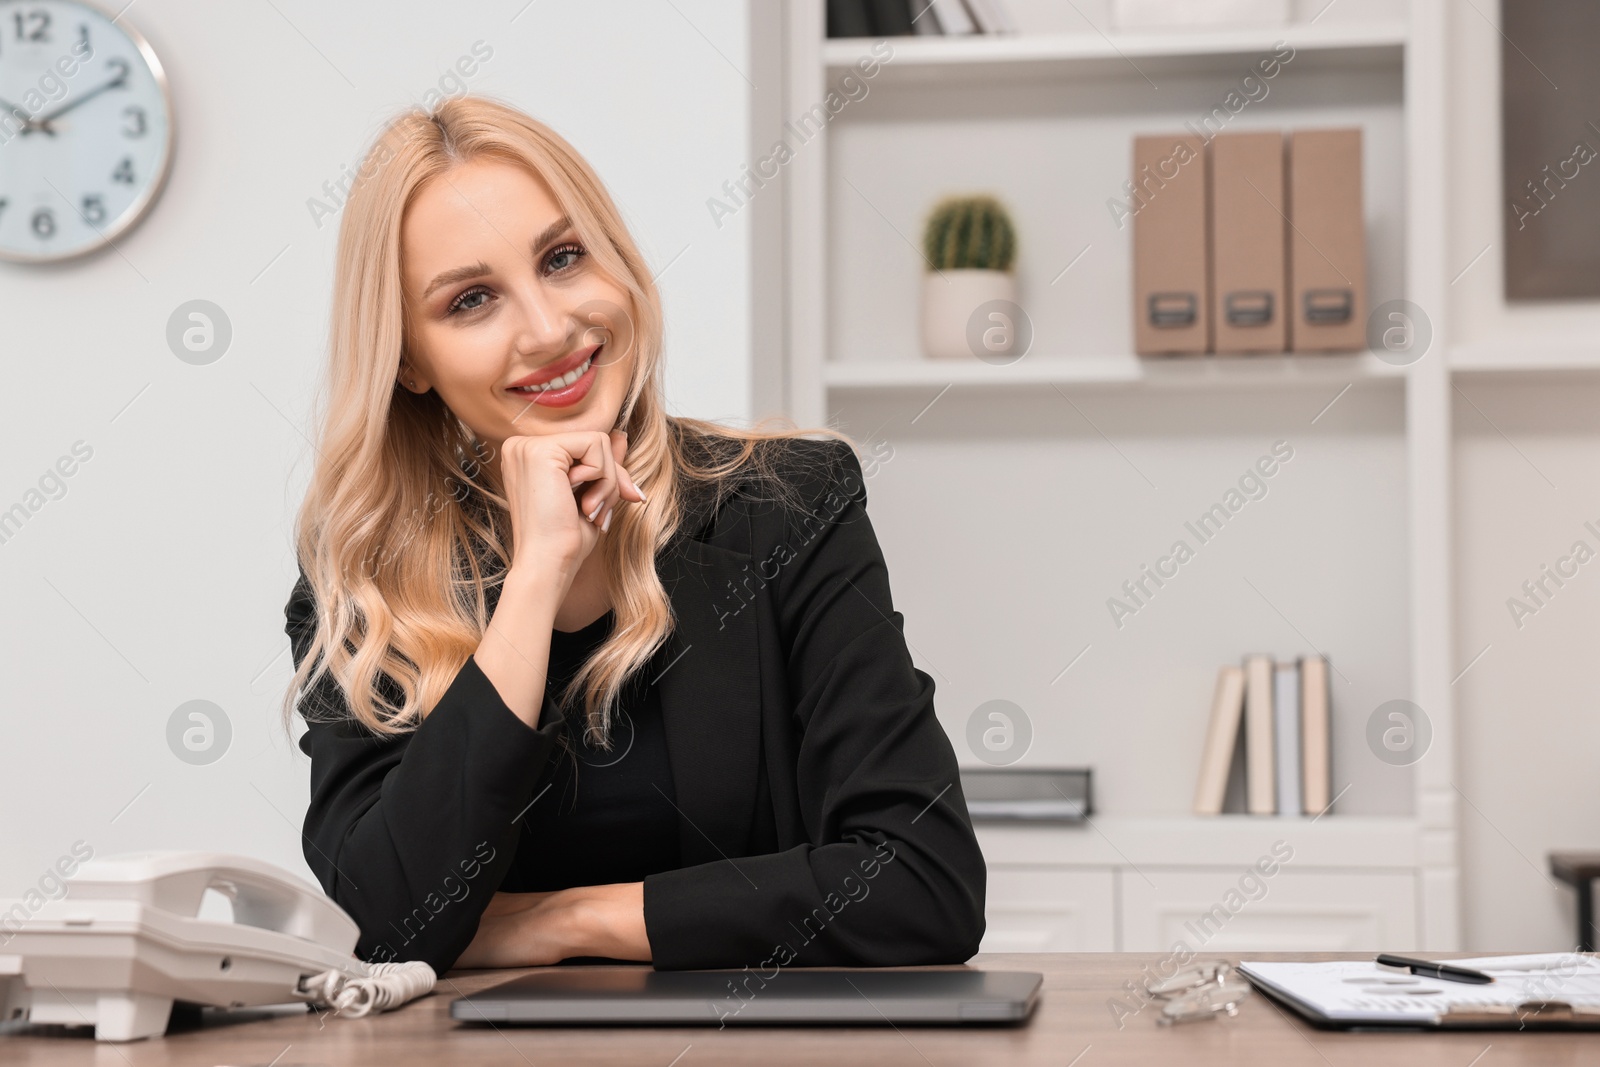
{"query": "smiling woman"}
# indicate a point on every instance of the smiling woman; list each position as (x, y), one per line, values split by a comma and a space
(529, 300)
(509, 629)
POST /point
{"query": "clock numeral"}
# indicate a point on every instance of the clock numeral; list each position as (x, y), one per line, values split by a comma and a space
(124, 171)
(94, 209)
(33, 25)
(135, 115)
(44, 223)
(120, 69)
(83, 38)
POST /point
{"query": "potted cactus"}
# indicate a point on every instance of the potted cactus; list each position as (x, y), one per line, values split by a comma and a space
(970, 246)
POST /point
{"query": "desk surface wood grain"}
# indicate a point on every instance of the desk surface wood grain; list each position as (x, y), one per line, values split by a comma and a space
(1073, 1026)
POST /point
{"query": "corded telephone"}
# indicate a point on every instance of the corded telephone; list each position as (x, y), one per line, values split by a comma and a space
(126, 941)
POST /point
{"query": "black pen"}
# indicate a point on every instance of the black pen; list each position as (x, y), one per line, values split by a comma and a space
(1430, 969)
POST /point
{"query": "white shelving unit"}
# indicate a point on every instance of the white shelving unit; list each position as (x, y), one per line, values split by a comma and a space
(1116, 371)
(1537, 355)
(1079, 53)
(1003, 461)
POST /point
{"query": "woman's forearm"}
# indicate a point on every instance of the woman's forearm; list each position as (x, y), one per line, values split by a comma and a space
(538, 929)
(610, 921)
(515, 651)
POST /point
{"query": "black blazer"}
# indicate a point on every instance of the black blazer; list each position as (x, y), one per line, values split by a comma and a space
(821, 815)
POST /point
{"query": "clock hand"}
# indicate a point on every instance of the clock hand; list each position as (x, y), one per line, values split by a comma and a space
(115, 83)
(27, 122)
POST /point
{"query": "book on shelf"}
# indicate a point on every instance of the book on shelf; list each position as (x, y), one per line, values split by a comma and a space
(1267, 743)
(891, 18)
(1315, 738)
(923, 18)
(992, 16)
(1286, 736)
(1227, 704)
(952, 16)
(1260, 754)
(848, 18)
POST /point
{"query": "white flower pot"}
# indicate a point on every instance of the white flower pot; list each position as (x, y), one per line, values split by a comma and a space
(950, 299)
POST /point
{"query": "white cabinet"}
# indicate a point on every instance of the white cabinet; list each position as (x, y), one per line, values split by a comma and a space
(1144, 884)
(1232, 911)
(1046, 909)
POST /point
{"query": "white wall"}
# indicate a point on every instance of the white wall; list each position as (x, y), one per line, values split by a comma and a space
(1527, 476)
(1528, 728)
(160, 576)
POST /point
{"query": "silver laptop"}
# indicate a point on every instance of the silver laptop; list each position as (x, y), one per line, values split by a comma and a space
(579, 996)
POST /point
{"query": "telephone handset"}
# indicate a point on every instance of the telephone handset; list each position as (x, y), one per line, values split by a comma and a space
(126, 941)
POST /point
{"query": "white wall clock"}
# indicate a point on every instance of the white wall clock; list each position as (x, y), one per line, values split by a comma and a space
(86, 131)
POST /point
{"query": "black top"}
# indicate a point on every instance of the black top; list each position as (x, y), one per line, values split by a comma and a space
(598, 817)
(820, 817)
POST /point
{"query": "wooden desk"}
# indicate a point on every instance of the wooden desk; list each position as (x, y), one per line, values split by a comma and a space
(1072, 1026)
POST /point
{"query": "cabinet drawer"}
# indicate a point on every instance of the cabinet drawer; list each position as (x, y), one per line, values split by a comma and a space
(1042, 909)
(1226, 910)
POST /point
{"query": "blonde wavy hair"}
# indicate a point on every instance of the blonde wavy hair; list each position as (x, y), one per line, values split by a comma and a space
(402, 529)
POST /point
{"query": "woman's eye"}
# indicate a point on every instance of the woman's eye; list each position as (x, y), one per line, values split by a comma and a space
(572, 253)
(560, 261)
(466, 301)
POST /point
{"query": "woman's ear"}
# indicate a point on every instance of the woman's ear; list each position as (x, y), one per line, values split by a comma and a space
(412, 380)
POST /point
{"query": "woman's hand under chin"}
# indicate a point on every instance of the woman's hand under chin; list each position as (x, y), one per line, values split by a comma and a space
(539, 929)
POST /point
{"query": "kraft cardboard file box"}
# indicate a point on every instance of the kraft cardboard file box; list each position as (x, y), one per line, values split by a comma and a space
(1247, 243)
(1327, 243)
(1171, 309)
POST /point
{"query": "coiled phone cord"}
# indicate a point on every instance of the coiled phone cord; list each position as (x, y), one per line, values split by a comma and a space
(385, 986)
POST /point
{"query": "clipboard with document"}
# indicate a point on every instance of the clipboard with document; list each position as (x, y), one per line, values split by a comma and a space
(1546, 991)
